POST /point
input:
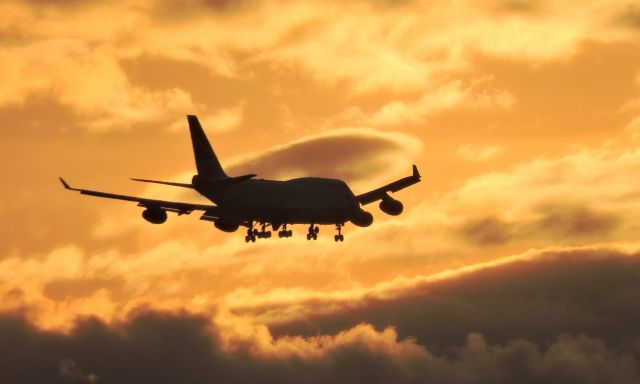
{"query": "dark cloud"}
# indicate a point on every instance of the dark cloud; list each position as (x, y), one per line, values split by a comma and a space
(486, 231)
(151, 348)
(161, 348)
(574, 221)
(348, 155)
(77, 288)
(186, 10)
(518, 6)
(225, 4)
(61, 3)
(550, 221)
(630, 17)
(591, 292)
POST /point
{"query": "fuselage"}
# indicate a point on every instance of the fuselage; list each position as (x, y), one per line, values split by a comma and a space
(296, 201)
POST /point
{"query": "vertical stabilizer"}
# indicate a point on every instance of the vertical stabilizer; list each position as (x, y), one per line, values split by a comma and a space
(206, 161)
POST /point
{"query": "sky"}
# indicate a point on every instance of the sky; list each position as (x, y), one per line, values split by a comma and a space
(516, 258)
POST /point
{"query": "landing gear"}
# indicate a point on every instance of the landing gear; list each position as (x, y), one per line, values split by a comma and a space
(313, 232)
(263, 234)
(339, 236)
(251, 235)
(284, 232)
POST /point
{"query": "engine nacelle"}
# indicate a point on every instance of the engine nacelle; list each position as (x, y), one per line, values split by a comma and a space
(227, 225)
(391, 206)
(362, 218)
(155, 215)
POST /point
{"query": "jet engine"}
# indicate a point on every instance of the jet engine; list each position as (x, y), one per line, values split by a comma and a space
(362, 218)
(391, 206)
(155, 215)
(227, 225)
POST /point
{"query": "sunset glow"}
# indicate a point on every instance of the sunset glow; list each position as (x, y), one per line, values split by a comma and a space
(522, 238)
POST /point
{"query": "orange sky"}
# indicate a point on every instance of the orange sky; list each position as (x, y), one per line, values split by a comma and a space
(523, 117)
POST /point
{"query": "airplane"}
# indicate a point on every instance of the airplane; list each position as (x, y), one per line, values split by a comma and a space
(247, 201)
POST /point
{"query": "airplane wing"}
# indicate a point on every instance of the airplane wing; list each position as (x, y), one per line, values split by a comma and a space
(380, 193)
(211, 211)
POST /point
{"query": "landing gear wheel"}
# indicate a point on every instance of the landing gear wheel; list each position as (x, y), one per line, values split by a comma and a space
(284, 232)
(251, 235)
(313, 232)
(263, 233)
(339, 236)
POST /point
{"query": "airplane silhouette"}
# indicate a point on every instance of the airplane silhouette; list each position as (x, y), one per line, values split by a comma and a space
(246, 201)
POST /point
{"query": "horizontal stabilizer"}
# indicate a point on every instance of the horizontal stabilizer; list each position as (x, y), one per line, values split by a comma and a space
(222, 182)
(184, 185)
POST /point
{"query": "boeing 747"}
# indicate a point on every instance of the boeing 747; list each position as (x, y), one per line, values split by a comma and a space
(250, 202)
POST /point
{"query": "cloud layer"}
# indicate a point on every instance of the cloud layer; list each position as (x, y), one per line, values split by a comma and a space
(579, 308)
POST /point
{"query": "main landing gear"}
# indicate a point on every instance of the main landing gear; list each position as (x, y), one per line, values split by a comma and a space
(263, 234)
(339, 236)
(313, 232)
(253, 233)
(284, 232)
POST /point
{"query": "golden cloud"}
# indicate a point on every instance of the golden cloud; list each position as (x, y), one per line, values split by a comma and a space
(443, 350)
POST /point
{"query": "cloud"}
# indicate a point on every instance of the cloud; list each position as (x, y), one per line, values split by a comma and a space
(450, 96)
(186, 263)
(630, 17)
(601, 203)
(575, 221)
(168, 347)
(479, 153)
(224, 120)
(416, 52)
(536, 297)
(87, 79)
(526, 7)
(487, 231)
(218, 121)
(350, 154)
(550, 221)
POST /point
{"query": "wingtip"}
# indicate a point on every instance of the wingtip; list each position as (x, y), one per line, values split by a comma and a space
(416, 174)
(64, 183)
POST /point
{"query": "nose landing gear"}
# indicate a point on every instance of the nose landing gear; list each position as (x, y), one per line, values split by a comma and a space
(313, 232)
(339, 236)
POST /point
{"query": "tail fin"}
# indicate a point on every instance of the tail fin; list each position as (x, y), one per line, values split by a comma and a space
(206, 161)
